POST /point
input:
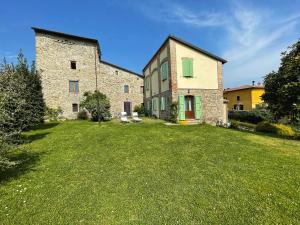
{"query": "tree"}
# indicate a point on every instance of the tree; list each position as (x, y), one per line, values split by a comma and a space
(97, 104)
(282, 88)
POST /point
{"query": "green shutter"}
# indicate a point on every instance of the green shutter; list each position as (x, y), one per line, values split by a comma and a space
(162, 103)
(197, 107)
(187, 67)
(164, 71)
(191, 67)
(181, 108)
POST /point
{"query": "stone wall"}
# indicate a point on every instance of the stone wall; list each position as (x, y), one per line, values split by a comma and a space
(111, 83)
(53, 59)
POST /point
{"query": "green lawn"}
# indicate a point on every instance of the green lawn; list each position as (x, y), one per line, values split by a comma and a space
(85, 173)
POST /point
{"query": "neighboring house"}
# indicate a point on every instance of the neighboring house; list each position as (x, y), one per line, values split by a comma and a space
(71, 65)
(245, 97)
(181, 72)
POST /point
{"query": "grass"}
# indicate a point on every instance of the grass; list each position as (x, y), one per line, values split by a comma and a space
(83, 173)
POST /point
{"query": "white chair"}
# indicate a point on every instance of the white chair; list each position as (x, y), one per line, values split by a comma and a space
(124, 118)
(135, 117)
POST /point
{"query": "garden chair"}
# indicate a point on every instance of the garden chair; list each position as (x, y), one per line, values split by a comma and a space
(135, 117)
(124, 118)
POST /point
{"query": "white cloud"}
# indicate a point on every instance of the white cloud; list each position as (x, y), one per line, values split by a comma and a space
(254, 36)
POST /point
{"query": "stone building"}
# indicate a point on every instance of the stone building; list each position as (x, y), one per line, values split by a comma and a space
(181, 72)
(71, 65)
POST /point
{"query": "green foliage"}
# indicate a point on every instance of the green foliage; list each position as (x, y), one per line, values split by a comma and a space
(282, 88)
(82, 115)
(53, 114)
(279, 129)
(254, 116)
(97, 104)
(174, 112)
(139, 109)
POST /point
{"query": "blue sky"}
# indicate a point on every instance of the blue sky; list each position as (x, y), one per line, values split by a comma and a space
(249, 34)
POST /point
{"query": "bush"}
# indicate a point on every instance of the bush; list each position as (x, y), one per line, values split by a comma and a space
(279, 129)
(139, 109)
(242, 125)
(82, 115)
(254, 116)
(174, 112)
(53, 114)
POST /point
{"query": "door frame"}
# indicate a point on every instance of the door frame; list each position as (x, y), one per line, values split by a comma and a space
(189, 114)
(129, 103)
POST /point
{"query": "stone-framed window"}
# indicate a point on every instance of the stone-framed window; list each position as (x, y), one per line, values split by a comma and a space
(75, 107)
(73, 65)
(142, 89)
(116, 72)
(238, 98)
(126, 88)
(74, 86)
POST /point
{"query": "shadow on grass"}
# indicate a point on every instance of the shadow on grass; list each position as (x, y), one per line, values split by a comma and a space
(45, 126)
(34, 137)
(25, 163)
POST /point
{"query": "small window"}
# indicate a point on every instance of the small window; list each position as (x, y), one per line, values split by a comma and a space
(126, 88)
(142, 89)
(75, 107)
(117, 72)
(147, 83)
(238, 98)
(73, 65)
(164, 71)
(74, 86)
(163, 103)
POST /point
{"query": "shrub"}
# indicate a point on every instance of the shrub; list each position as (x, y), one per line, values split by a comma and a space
(53, 114)
(174, 112)
(82, 115)
(284, 130)
(254, 116)
(139, 109)
(279, 129)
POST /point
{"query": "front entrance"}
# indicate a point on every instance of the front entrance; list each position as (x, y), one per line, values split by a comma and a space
(189, 107)
(127, 108)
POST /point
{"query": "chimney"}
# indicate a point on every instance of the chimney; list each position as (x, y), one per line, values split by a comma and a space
(253, 83)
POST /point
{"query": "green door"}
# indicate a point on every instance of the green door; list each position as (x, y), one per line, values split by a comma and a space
(181, 110)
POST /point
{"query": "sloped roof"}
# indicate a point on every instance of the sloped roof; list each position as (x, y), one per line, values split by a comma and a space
(244, 87)
(194, 47)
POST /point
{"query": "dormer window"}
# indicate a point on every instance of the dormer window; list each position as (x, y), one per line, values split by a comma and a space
(73, 65)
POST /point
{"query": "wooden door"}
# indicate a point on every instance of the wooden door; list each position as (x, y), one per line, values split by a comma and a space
(127, 108)
(189, 107)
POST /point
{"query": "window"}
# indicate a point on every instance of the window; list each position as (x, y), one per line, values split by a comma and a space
(238, 98)
(154, 105)
(74, 86)
(147, 83)
(117, 72)
(163, 103)
(187, 67)
(238, 107)
(73, 65)
(164, 71)
(75, 107)
(142, 89)
(126, 88)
